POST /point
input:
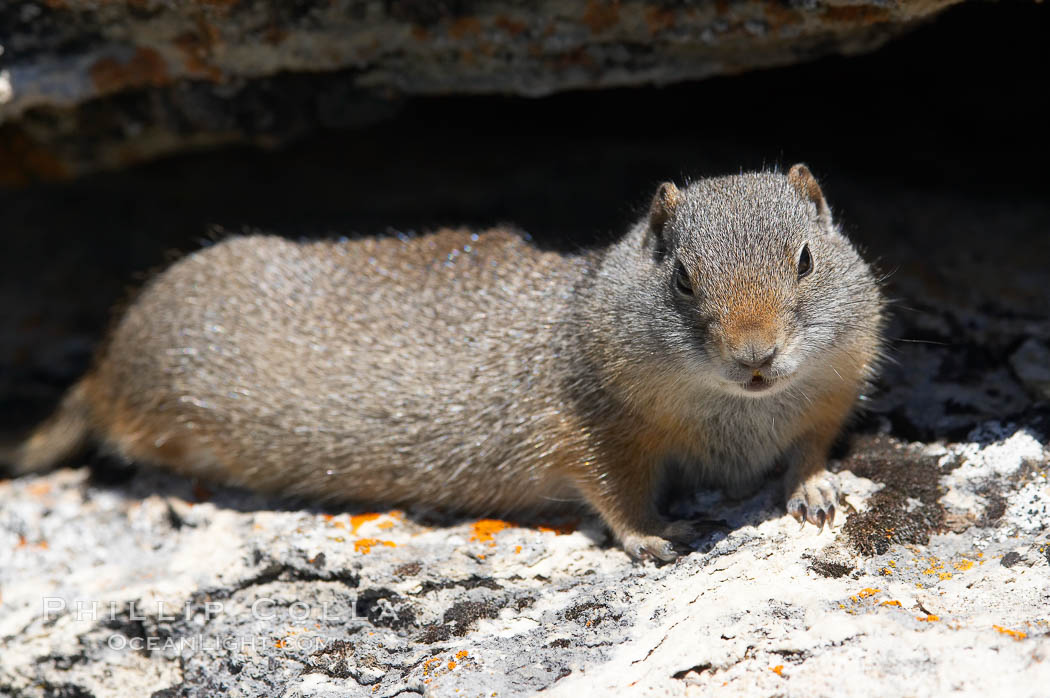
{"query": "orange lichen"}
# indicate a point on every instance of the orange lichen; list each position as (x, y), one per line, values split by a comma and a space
(462, 654)
(658, 19)
(511, 26)
(1015, 634)
(945, 575)
(963, 565)
(24, 160)
(358, 520)
(364, 545)
(517, 549)
(385, 524)
(935, 565)
(196, 49)
(429, 663)
(600, 16)
(856, 15)
(891, 603)
(778, 669)
(145, 68)
(929, 618)
(451, 666)
(485, 529)
(561, 530)
(864, 593)
(464, 26)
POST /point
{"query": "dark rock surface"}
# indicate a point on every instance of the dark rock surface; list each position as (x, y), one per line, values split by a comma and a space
(87, 85)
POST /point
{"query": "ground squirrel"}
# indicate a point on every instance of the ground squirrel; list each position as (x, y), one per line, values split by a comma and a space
(732, 328)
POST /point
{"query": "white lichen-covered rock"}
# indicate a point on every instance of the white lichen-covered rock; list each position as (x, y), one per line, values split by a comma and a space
(149, 586)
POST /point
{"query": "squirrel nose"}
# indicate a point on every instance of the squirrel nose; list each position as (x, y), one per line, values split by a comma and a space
(754, 357)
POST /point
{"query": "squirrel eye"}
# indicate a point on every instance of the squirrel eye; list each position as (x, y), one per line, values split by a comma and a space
(805, 262)
(681, 281)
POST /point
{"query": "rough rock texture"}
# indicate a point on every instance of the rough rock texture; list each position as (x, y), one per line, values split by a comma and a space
(142, 588)
(87, 84)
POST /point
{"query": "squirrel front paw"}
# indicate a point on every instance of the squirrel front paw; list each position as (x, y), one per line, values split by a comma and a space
(641, 547)
(672, 542)
(814, 499)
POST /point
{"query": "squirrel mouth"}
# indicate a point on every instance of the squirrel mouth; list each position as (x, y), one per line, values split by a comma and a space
(757, 384)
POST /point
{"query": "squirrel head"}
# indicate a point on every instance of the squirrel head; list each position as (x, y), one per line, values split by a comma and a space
(760, 285)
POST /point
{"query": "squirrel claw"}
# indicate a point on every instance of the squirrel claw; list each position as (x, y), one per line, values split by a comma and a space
(674, 540)
(814, 501)
(653, 548)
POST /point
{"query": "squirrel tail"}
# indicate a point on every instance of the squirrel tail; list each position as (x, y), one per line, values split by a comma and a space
(62, 436)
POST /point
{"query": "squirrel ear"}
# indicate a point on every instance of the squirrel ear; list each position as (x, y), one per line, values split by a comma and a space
(664, 203)
(803, 181)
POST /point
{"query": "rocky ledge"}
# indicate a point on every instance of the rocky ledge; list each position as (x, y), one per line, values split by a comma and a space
(86, 85)
(935, 580)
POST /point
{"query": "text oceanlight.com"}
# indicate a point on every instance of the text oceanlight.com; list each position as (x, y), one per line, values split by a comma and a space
(211, 643)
